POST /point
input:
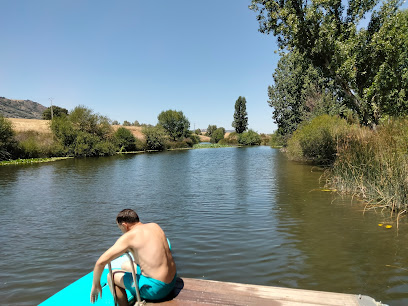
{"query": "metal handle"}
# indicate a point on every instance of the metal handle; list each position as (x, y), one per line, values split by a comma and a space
(139, 300)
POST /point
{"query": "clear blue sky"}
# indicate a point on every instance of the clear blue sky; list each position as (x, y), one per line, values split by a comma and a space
(130, 60)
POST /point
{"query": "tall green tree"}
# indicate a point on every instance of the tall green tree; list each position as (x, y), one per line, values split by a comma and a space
(240, 122)
(326, 33)
(175, 123)
(300, 92)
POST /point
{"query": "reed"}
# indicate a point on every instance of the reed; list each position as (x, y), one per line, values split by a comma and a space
(373, 164)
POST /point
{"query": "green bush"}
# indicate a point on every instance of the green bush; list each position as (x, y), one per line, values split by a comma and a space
(83, 133)
(31, 144)
(250, 138)
(276, 140)
(197, 131)
(217, 135)
(125, 140)
(316, 141)
(231, 139)
(7, 142)
(155, 138)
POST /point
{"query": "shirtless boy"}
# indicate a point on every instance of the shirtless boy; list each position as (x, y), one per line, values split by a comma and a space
(156, 269)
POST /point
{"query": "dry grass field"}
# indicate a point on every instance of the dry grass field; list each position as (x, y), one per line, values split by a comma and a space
(23, 125)
(43, 126)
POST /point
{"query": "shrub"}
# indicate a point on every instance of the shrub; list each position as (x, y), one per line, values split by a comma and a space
(155, 138)
(197, 131)
(83, 133)
(316, 141)
(276, 140)
(125, 140)
(7, 142)
(231, 139)
(217, 135)
(249, 138)
(374, 164)
(32, 144)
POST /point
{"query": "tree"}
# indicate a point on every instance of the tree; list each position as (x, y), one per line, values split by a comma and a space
(56, 112)
(210, 130)
(155, 137)
(83, 133)
(217, 135)
(250, 138)
(126, 123)
(300, 92)
(7, 142)
(240, 122)
(125, 139)
(326, 33)
(115, 122)
(175, 123)
(197, 131)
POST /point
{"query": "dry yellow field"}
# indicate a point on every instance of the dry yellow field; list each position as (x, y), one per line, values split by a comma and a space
(22, 125)
(43, 126)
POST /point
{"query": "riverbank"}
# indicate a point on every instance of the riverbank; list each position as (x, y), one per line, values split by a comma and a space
(369, 163)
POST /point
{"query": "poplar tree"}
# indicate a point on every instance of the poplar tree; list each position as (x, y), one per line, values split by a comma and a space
(240, 122)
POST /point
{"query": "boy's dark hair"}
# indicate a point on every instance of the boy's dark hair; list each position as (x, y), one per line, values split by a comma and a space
(128, 216)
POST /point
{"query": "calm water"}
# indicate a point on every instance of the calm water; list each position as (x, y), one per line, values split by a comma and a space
(233, 214)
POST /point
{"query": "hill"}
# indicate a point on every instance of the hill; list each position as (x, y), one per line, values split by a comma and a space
(25, 109)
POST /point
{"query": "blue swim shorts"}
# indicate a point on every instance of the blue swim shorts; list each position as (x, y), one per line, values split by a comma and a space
(149, 288)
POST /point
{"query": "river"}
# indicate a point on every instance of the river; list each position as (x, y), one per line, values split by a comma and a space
(243, 215)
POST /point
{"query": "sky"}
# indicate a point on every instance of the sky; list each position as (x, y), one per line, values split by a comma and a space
(130, 59)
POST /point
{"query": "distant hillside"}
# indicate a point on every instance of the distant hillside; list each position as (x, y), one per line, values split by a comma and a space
(21, 109)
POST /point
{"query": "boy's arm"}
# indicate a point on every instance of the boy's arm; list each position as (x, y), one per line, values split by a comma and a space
(120, 247)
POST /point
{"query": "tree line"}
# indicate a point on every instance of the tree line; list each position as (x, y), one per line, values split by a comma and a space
(81, 132)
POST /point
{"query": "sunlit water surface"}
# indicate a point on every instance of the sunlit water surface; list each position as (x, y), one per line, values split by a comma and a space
(243, 215)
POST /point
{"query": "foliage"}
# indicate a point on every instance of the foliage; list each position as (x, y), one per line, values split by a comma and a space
(155, 138)
(326, 33)
(115, 122)
(56, 112)
(317, 141)
(217, 135)
(374, 165)
(210, 130)
(126, 123)
(240, 122)
(197, 131)
(276, 140)
(31, 144)
(125, 140)
(175, 123)
(231, 139)
(250, 138)
(7, 142)
(83, 133)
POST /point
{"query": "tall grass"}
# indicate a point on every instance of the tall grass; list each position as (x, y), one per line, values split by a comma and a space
(373, 164)
(369, 163)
